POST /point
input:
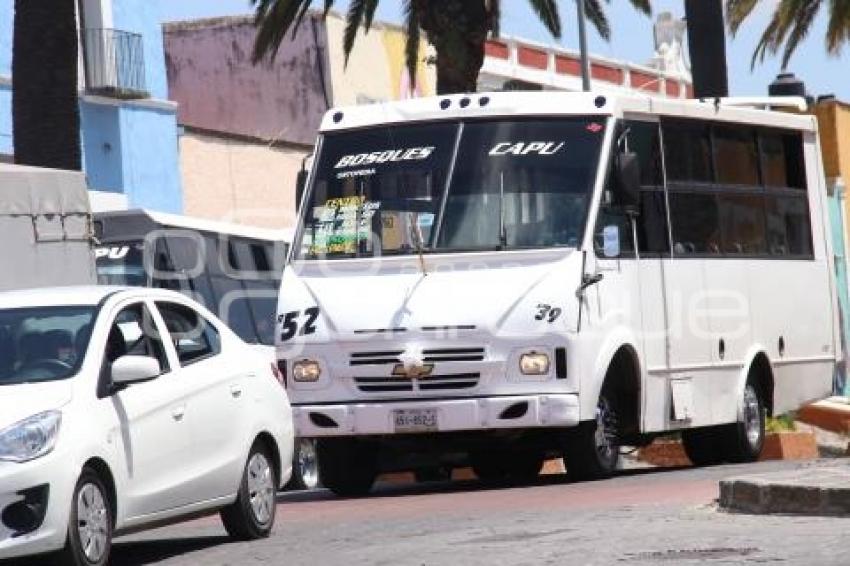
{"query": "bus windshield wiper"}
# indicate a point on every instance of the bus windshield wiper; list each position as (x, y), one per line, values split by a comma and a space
(418, 240)
(503, 230)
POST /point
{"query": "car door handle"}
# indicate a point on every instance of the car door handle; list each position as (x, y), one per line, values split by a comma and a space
(178, 413)
(235, 391)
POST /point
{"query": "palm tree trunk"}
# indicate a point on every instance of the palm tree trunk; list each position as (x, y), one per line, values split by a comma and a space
(707, 45)
(45, 111)
(458, 31)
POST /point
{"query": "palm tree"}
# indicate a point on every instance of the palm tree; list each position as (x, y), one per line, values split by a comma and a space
(791, 22)
(458, 30)
(707, 47)
(45, 111)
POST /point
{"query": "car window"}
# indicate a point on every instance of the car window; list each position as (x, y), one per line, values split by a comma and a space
(194, 337)
(134, 333)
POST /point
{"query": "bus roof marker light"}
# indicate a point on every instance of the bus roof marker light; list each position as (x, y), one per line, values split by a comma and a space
(600, 101)
(484, 101)
(338, 117)
(445, 103)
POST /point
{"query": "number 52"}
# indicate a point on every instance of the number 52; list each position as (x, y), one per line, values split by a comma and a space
(289, 323)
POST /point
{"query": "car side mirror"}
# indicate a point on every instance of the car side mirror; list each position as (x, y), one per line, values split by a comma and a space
(128, 370)
(627, 189)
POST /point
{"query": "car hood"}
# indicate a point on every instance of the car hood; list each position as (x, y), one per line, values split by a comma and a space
(18, 402)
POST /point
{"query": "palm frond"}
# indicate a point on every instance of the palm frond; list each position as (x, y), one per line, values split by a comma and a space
(596, 15)
(642, 6)
(412, 39)
(356, 11)
(838, 28)
(547, 11)
(737, 11)
(371, 6)
(273, 18)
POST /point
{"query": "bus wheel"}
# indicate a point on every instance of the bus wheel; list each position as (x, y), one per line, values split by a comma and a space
(592, 449)
(703, 445)
(744, 440)
(305, 466)
(347, 466)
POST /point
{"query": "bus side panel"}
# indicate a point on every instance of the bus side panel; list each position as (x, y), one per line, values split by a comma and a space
(797, 297)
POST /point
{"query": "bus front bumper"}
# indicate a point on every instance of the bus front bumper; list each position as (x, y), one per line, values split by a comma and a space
(437, 415)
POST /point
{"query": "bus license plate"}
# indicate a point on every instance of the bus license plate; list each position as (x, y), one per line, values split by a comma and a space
(415, 420)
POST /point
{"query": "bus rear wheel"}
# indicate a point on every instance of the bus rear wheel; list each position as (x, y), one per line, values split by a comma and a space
(592, 449)
(347, 466)
(744, 439)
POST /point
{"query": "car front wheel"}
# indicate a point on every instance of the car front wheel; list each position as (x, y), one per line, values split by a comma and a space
(90, 527)
(252, 515)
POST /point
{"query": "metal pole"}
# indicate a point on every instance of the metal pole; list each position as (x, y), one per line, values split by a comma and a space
(582, 42)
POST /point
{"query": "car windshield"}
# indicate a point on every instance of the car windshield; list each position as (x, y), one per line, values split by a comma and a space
(121, 264)
(44, 343)
(511, 185)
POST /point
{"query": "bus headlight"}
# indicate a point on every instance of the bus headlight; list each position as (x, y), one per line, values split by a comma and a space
(306, 371)
(534, 363)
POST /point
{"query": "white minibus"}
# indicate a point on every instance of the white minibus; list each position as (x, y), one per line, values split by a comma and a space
(497, 279)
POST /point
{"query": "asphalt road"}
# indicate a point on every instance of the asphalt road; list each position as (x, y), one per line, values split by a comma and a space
(640, 517)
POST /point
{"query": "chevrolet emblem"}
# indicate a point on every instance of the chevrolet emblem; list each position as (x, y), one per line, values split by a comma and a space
(412, 365)
(417, 371)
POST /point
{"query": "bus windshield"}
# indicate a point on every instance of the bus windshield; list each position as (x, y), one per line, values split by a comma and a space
(122, 264)
(451, 187)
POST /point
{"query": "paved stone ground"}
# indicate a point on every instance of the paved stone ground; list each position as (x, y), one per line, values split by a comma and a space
(641, 517)
(814, 488)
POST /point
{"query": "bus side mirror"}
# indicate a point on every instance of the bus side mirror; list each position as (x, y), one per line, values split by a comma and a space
(627, 188)
(300, 185)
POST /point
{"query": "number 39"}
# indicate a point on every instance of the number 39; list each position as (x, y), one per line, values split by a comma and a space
(546, 312)
(289, 323)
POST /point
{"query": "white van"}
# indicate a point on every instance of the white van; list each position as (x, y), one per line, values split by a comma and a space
(503, 278)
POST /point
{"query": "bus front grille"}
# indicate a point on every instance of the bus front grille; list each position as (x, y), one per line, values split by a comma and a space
(447, 382)
(429, 356)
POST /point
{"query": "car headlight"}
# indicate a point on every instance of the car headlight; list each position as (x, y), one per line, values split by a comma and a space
(30, 438)
(534, 363)
(306, 370)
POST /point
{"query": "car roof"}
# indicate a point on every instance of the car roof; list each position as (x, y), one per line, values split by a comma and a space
(91, 295)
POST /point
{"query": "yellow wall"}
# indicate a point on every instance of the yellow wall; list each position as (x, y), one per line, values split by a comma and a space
(239, 181)
(376, 70)
(834, 126)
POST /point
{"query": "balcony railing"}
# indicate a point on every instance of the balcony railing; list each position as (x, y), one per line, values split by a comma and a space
(114, 63)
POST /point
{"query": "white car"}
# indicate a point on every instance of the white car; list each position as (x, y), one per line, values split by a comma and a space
(127, 408)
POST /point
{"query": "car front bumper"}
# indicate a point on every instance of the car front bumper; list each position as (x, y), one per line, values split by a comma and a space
(53, 472)
(464, 414)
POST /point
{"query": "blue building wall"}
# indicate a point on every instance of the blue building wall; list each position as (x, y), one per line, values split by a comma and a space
(6, 15)
(5, 119)
(129, 147)
(144, 17)
(151, 166)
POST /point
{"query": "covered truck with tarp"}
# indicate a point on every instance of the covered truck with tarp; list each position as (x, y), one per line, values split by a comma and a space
(45, 228)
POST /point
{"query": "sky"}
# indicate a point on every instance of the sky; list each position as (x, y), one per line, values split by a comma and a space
(631, 39)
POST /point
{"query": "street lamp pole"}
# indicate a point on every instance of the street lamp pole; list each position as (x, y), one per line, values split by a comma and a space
(582, 41)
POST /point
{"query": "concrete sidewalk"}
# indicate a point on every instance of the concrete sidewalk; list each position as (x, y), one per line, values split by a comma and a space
(821, 487)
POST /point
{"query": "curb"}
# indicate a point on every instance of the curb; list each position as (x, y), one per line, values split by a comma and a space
(831, 414)
(786, 495)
